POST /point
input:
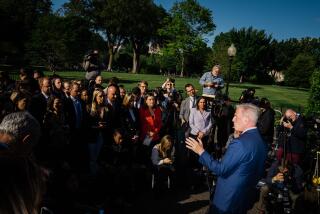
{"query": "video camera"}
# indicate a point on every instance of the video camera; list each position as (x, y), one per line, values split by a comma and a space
(91, 54)
(287, 120)
(247, 96)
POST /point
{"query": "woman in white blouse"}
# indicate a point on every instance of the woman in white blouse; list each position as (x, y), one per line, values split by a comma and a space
(200, 120)
(200, 124)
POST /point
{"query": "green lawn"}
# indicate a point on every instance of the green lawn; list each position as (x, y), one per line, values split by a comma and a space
(281, 97)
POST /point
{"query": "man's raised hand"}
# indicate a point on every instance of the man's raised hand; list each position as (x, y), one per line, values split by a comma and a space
(195, 145)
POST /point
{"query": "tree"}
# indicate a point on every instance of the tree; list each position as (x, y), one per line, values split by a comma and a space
(300, 71)
(45, 45)
(79, 8)
(253, 59)
(111, 19)
(314, 98)
(144, 18)
(285, 51)
(219, 55)
(60, 42)
(18, 19)
(185, 29)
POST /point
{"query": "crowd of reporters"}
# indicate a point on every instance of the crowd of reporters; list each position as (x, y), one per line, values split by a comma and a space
(113, 137)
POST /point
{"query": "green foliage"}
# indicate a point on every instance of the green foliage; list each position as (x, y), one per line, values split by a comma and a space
(45, 45)
(36, 35)
(149, 64)
(253, 53)
(314, 97)
(80, 8)
(286, 51)
(110, 18)
(144, 18)
(300, 70)
(167, 60)
(184, 31)
(123, 59)
(219, 55)
(17, 19)
(60, 42)
(190, 16)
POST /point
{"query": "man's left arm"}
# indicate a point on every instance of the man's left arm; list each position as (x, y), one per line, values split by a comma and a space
(228, 164)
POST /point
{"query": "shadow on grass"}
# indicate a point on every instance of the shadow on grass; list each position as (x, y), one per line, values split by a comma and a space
(294, 88)
(245, 86)
(127, 81)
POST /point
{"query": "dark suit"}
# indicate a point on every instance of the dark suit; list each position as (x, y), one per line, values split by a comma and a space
(78, 142)
(295, 141)
(238, 172)
(139, 103)
(71, 113)
(38, 107)
(114, 115)
(298, 137)
(130, 126)
(266, 125)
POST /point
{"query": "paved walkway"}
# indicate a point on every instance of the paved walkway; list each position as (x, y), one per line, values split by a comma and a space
(178, 201)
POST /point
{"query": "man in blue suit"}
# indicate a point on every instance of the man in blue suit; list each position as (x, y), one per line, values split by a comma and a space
(241, 167)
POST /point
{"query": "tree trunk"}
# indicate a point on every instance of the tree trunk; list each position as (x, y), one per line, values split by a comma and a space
(182, 66)
(110, 60)
(136, 59)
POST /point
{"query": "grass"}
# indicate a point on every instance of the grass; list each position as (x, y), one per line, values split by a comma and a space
(281, 97)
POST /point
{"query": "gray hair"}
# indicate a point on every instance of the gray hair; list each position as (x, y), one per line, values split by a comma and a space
(250, 111)
(216, 66)
(20, 124)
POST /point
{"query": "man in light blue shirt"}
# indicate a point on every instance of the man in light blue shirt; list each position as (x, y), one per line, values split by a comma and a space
(212, 82)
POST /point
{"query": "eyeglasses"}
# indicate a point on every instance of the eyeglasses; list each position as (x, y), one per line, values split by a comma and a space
(190, 91)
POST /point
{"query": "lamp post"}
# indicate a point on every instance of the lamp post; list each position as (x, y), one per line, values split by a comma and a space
(231, 53)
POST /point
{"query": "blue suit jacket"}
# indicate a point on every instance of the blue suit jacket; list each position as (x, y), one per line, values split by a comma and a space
(238, 172)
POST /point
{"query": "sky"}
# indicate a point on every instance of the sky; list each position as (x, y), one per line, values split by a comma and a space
(282, 19)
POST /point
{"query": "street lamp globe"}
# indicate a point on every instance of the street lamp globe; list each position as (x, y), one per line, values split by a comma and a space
(231, 53)
(232, 50)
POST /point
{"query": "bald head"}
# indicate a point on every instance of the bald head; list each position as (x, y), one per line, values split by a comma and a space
(112, 93)
(291, 114)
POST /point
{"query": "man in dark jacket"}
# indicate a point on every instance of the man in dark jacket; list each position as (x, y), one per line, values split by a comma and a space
(293, 137)
(91, 65)
(38, 105)
(266, 121)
